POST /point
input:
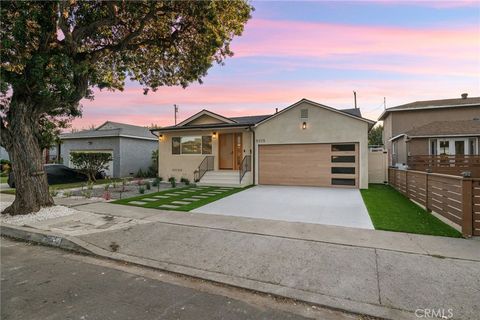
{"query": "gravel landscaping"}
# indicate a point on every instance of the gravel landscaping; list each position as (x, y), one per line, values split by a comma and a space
(43, 214)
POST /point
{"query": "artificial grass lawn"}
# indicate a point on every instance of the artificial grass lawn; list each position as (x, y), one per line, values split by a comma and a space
(392, 211)
(187, 207)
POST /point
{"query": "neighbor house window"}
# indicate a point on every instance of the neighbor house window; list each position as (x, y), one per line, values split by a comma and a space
(433, 147)
(444, 147)
(472, 146)
(192, 145)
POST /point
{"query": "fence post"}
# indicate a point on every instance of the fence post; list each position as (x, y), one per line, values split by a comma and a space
(406, 184)
(467, 214)
(426, 193)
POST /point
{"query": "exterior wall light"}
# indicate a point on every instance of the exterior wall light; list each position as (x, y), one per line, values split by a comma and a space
(304, 125)
(214, 134)
(160, 137)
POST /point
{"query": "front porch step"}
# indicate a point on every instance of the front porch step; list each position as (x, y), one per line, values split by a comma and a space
(224, 178)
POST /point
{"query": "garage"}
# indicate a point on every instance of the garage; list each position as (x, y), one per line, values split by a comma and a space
(309, 164)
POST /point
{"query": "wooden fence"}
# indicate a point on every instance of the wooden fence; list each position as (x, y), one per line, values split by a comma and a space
(447, 164)
(454, 197)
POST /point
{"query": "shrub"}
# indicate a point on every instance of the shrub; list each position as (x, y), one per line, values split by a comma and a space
(87, 193)
(107, 195)
(141, 189)
(148, 185)
(140, 174)
(173, 181)
(185, 180)
(90, 163)
(67, 194)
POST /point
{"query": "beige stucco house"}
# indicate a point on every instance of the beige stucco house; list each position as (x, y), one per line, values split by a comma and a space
(432, 128)
(305, 144)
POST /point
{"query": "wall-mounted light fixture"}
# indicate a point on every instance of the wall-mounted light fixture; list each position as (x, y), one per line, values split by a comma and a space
(214, 134)
(304, 125)
(160, 137)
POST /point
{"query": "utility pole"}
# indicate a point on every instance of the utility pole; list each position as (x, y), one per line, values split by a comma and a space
(175, 110)
(355, 99)
(384, 103)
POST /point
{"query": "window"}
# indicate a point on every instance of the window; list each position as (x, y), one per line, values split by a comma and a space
(343, 182)
(176, 145)
(343, 170)
(343, 159)
(343, 147)
(206, 145)
(192, 145)
(444, 146)
(433, 147)
(459, 147)
(472, 146)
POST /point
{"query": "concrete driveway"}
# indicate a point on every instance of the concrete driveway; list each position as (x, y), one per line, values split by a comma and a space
(331, 206)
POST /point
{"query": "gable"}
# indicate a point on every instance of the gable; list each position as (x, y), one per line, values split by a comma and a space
(204, 119)
(303, 107)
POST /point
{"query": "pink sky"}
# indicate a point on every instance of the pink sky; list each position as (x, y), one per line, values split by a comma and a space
(278, 61)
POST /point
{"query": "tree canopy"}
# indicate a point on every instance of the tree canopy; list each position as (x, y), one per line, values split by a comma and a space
(54, 53)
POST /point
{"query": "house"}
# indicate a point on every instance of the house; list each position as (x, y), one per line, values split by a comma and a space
(131, 146)
(448, 127)
(305, 144)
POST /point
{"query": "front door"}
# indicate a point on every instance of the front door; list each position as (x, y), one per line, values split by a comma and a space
(225, 152)
(230, 151)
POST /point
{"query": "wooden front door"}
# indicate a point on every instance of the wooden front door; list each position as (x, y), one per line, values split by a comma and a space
(230, 151)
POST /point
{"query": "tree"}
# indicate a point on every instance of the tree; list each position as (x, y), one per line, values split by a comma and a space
(375, 136)
(54, 53)
(90, 163)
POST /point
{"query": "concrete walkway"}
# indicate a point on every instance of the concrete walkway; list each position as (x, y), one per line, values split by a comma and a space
(378, 273)
(331, 206)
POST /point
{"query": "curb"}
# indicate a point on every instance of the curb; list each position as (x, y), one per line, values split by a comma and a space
(74, 244)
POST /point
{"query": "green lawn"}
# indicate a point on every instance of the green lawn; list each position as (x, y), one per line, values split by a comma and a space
(176, 195)
(3, 179)
(392, 211)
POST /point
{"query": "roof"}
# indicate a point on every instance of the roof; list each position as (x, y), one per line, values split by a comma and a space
(254, 120)
(112, 129)
(433, 104)
(446, 128)
(353, 111)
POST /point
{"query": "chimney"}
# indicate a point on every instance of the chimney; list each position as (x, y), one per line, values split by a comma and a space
(276, 110)
(464, 95)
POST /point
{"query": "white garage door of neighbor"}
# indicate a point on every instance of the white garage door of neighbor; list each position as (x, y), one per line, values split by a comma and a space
(108, 171)
(319, 164)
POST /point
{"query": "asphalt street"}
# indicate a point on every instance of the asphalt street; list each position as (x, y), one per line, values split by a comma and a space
(46, 283)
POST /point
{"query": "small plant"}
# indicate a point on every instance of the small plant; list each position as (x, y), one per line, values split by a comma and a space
(90, 186)
(141, 174)
(148, 185)
(67, 194)
(114, 184)
(107, 195)
(124, 183)
(53, 192)
(156, 182)
(173, 181)
(87, 194)
(141, 189)
(185, 180)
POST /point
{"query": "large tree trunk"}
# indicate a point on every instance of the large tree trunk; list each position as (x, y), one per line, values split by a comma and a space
(27, 164)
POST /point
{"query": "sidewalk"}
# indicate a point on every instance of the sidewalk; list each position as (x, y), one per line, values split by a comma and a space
(378, 273)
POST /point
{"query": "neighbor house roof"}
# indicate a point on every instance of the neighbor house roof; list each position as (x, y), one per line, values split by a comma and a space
(446, 129)
(433, 104)
(111, 129)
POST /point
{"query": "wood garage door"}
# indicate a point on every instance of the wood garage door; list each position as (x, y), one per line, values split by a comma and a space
(323, 165)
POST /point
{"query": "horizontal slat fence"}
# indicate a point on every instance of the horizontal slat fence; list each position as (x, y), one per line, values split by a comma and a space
(453, 197)
(446, 164)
